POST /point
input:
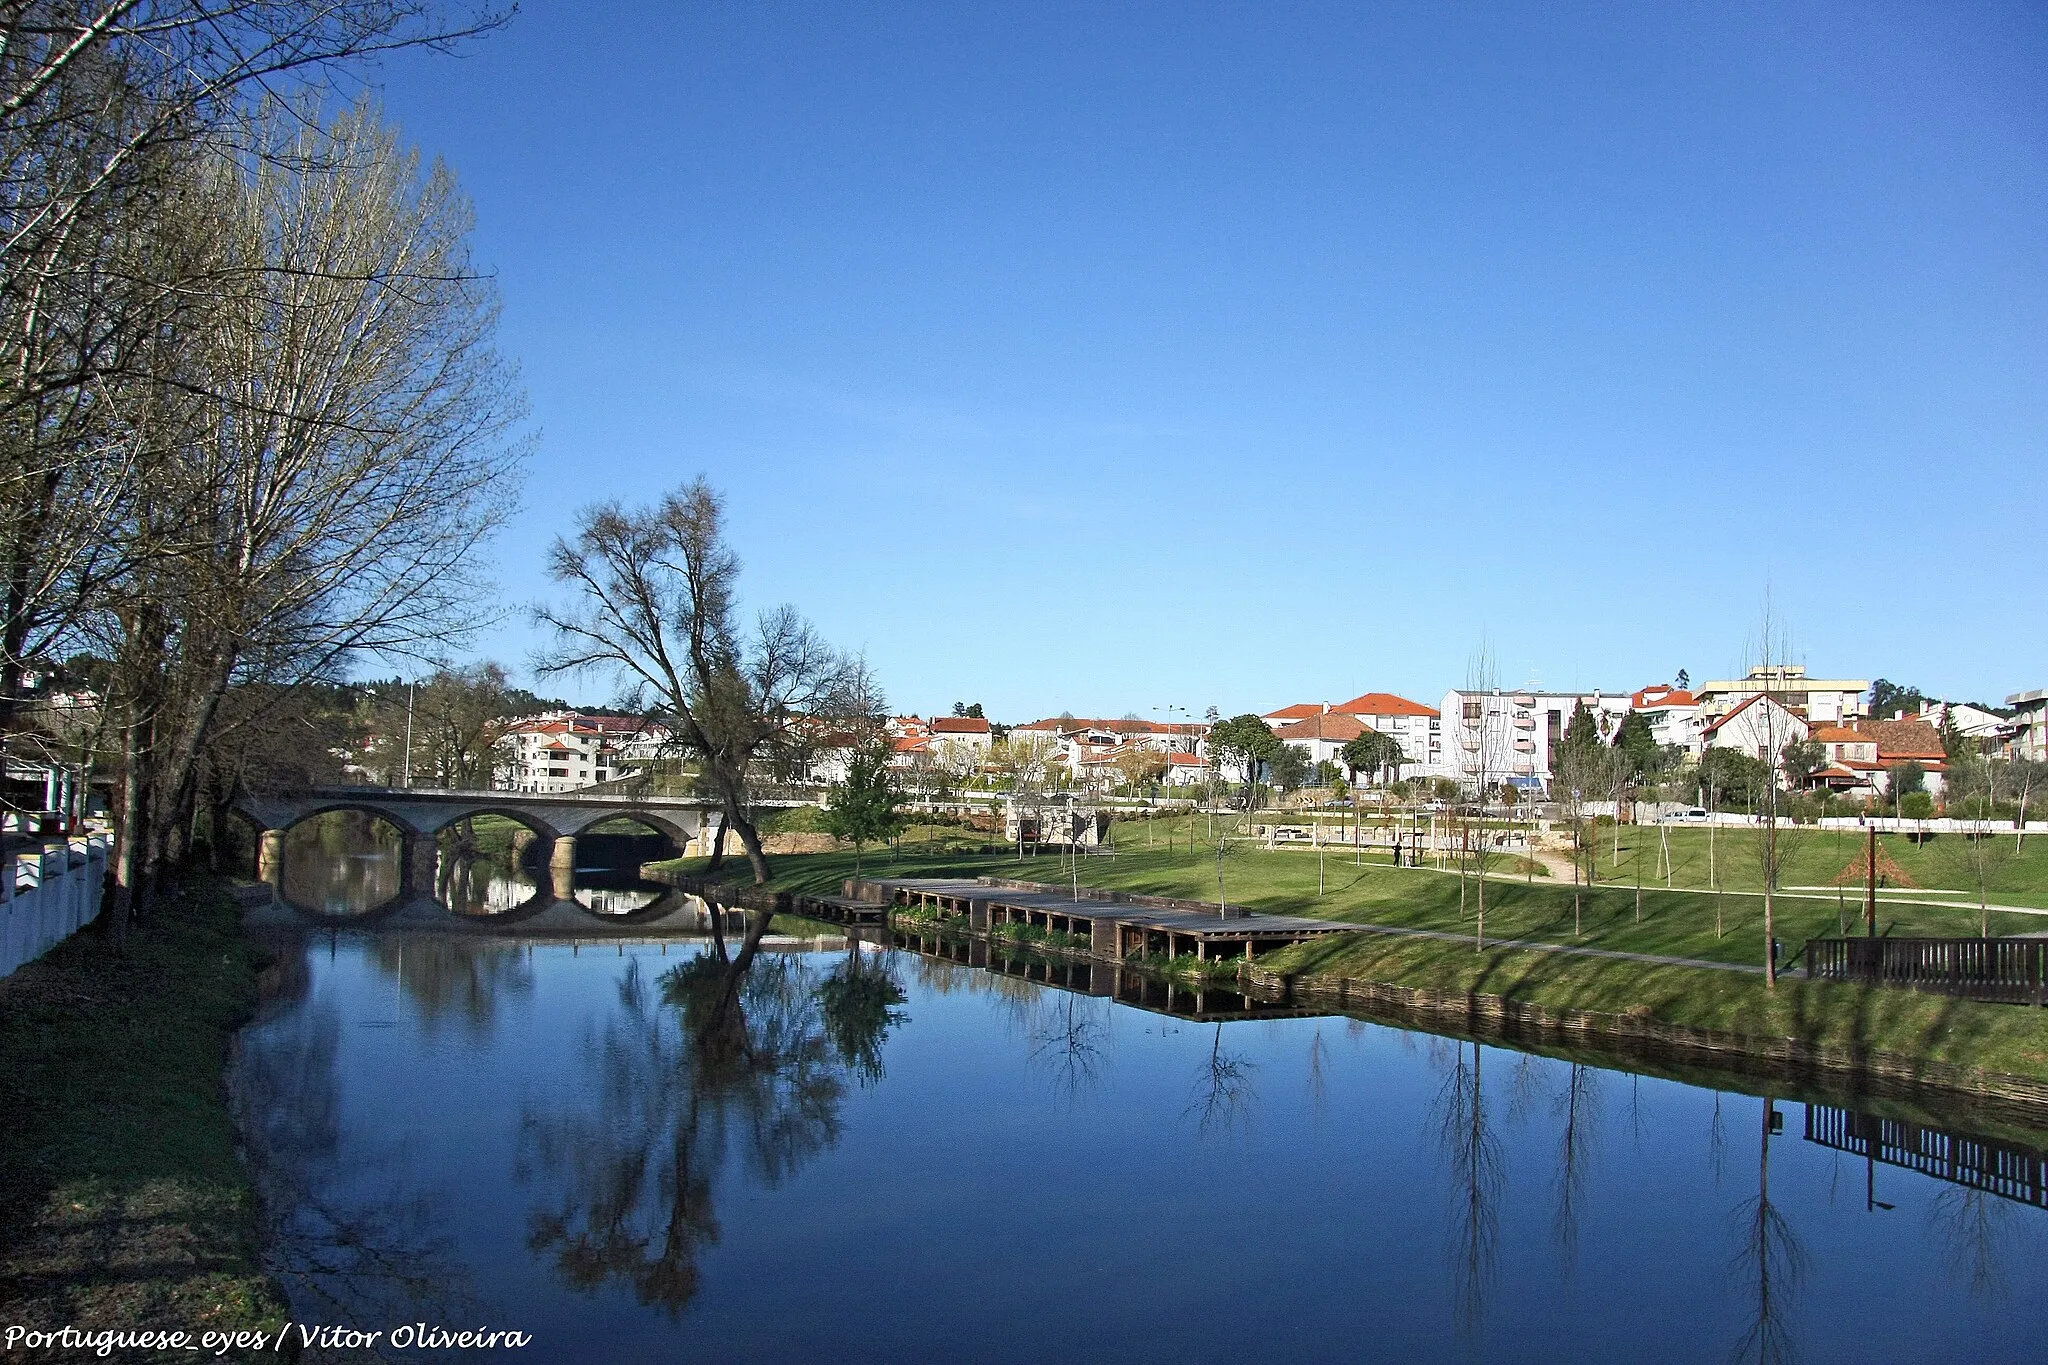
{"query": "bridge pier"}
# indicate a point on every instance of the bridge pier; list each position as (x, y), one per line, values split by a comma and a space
(420, 865)
(270, 858)
(563, 854)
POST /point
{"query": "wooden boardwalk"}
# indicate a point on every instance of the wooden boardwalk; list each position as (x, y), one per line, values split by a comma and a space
(1116, 925)
(1198, 1002)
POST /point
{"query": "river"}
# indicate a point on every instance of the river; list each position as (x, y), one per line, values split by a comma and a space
(631, 1151)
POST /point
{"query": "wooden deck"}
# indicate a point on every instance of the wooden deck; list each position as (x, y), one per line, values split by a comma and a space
(1116, 925)
(1198, 1002)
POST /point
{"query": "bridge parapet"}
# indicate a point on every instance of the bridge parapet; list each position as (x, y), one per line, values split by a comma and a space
(426, 811)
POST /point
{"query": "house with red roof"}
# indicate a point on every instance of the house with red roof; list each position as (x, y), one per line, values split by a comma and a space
(1758, 726)
(563, 751)
(1860, 757)
(1416, 727)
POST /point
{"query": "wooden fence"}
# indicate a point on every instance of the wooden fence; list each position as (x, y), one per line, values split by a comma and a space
(1980, 1163)
(2003, 969)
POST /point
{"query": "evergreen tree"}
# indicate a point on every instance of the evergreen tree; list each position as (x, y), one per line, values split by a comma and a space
(863, 809)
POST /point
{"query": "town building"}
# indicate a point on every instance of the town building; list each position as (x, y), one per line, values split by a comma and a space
(2029, 725)
(1416, 727)
(1860, 758)
(1760, 727)
(1673, 714)
(1817, 701)
(1513, 737)
(563, 751)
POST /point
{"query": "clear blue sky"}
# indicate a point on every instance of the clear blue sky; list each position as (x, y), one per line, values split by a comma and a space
(1100, 357)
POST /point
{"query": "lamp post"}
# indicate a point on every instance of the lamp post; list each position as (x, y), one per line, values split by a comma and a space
(408, 732)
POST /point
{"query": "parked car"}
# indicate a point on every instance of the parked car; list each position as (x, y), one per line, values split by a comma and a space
(1695, 816)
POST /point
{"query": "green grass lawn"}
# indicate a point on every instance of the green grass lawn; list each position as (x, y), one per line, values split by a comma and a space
(1814, 857)
(122, 1200)
(1679, 924)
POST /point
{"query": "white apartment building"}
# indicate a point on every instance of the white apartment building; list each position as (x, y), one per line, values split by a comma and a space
(563, 751)
(1673, 715)
(1817, 701)
(1514, 736)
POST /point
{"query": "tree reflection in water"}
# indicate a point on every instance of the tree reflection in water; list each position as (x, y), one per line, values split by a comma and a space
(751, 1055)
(1068, 1038)
(1223, 1089)
(1771, 1262)
(1478, 1170)
(1973, 1226)
(453, 980)
(342, 1229)
(1578, 1115)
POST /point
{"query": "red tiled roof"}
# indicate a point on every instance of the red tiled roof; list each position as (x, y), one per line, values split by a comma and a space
(1187, 760)
(1898, 740)
(1744, 705)
(959, 725)
(1319, 726)
(1383, 704)
(1839, 734)
(1301, 710)
(1654, 698)
(908, 744)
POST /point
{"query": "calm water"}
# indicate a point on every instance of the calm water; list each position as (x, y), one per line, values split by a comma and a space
(876, 1155)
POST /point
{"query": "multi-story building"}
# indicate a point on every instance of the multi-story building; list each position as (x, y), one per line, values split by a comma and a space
(1817, 701)
(561, 751)
(1673, 715)
(1513, 737)
(1324, 728)
(2029, 724)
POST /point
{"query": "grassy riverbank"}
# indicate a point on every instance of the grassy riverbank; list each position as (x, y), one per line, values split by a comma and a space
(122, 1200)
(1679, 924)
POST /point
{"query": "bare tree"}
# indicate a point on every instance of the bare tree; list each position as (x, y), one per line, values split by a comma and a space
(1774, 728)
(1484, 744)
(655, 601)
(106, 106)
(1974, 788)
(350, 456)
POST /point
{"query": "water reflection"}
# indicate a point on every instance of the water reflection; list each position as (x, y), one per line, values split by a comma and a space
(711, 1061)
(456, 981)
(342, 863)
(350, 864)
(1771, 1262)
(472, 883)
(631, 1154)
(1476, 1165)
(347, 1229)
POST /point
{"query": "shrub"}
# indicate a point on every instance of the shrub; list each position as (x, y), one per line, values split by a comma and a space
(1916, 805)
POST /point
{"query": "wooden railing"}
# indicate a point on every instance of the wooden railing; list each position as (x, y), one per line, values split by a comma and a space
(1980, 1163)
(2003, 969)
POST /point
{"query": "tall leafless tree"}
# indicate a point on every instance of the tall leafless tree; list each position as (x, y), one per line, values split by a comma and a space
(654, 599)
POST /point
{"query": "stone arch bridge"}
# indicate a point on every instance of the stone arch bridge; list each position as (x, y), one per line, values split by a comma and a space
(421, 813)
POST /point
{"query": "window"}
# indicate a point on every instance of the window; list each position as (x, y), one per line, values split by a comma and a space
(1473, 710)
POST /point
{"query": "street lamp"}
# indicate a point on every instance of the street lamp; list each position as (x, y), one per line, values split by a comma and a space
(408, 732)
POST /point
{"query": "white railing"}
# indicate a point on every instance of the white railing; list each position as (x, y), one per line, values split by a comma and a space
(47, 896)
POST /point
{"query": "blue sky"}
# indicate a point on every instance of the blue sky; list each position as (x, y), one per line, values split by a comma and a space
(1106, 357)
